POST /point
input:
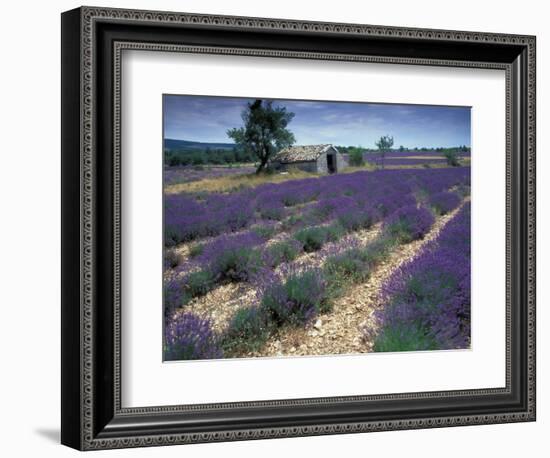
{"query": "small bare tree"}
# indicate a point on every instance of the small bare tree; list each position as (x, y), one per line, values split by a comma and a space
(384, 145)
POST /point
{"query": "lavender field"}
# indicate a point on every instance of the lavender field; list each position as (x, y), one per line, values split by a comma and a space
(427, 159)
(188, 174)
(370, 260)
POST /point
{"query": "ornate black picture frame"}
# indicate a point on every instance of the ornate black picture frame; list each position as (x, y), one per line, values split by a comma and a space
(92, 42)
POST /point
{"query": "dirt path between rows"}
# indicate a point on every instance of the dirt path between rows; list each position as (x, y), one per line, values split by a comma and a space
(339, 332)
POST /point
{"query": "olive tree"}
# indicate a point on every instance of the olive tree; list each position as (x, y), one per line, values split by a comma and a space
(264, 132)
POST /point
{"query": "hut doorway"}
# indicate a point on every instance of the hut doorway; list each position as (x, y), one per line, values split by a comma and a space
(331, 163)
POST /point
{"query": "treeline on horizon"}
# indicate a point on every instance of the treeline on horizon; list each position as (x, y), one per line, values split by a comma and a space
(224, 156)
(212, 156)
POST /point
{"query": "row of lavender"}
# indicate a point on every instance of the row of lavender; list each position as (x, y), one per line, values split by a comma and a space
(191, 217)
(427, 301)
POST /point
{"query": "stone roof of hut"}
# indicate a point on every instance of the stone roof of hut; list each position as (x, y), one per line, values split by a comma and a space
(301, 153)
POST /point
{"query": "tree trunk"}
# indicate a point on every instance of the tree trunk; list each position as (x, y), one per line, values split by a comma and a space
(263, 163)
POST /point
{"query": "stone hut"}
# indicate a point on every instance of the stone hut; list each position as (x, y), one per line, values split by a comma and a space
(310, 158)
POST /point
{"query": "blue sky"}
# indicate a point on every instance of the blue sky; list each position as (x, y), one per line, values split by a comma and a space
(206, 119)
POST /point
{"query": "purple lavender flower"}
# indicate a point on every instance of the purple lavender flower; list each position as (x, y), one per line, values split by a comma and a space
(297, 299)
(236, 221)
(409, 223)
(279, 252)
(444, 202)
(173, 294)
(354, 217)
(188, 336)
(188, 217)
(233, 258)
(185, 218)
(428, 298)
(188, 174)
(212, 250)
(271, 209)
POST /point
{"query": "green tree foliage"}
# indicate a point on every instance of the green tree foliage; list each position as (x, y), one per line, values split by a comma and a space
(355, 156)
(452, 157)
(384, 145)
(264, 132)
(213, 156)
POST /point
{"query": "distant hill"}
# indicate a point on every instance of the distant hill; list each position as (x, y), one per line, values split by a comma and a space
(186, 145)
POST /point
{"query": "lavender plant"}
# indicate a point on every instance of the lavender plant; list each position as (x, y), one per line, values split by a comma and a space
(354, 264)
(188, 336)
(409, 223)
(235, 264)
(279, 252)
(273, 210)
(355, 219)
(297, 299)
(444, 202)
(197, 283)
(174, 295)
(265, 230)
(248, 330)
(427, 300)
(311, 238)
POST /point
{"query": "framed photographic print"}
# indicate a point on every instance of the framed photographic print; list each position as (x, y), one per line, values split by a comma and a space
(279, 228)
